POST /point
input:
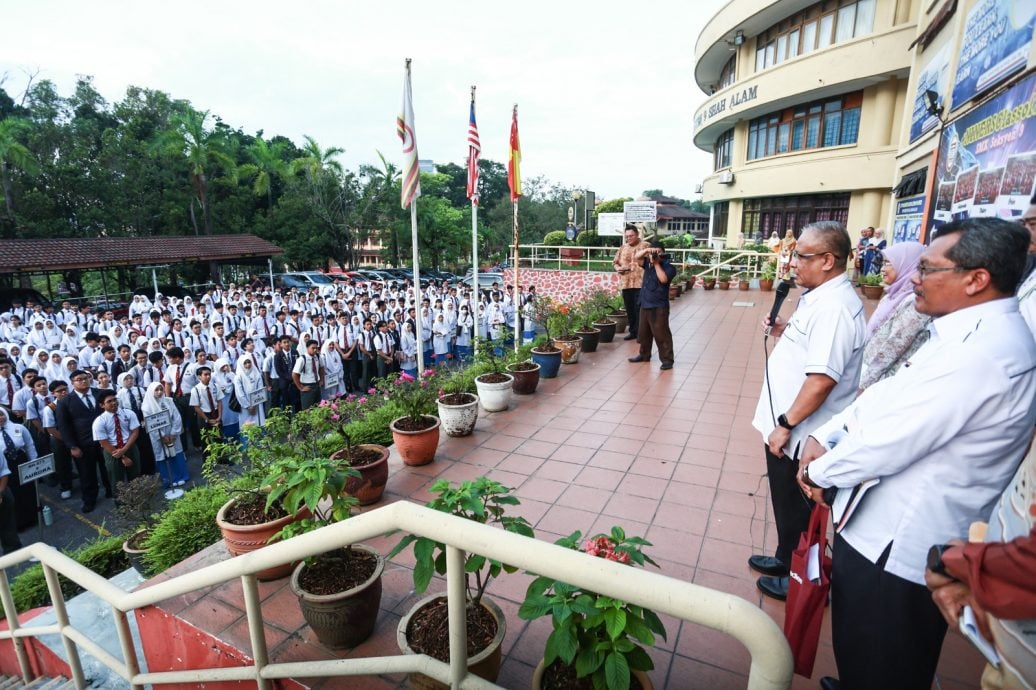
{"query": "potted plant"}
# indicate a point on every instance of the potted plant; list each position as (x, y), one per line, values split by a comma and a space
(617, 313)
(586, 314)
(723, 280)
(458, 405)
(494, 386)
(246, 521)
(544, 352)
(872, 286)
(561, 323)
(425, 629)
(329, 423)
(525, 371)
(708, 282)
(416, 433)
(766, 276)
(600, 300)
(141, 500)
(339, 591)
(594, 637)
(742, 281)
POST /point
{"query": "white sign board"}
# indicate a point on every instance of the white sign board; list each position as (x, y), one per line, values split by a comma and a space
(640, 211)
(257, 397)
(612, 224)
(159, 421)
(331, 380)
(34, 469)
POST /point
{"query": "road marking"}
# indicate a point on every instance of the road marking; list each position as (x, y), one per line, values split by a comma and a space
(100, 529)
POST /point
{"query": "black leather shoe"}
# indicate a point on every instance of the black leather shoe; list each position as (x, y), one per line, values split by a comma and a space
(768, 565)
(631, 336)
(638, 358)
(774, 587)
(666, 366)
(88, 507)
(829, 683)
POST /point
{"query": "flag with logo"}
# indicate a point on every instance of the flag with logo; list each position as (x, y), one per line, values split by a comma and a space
(405, 130)
(474, 149)
(514, 178)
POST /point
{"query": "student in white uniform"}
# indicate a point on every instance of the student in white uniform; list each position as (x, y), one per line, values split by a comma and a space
(169, 454)
(248, 382)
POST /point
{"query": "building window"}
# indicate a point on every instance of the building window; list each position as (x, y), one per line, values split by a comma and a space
(831, 122)
(814, 28)
(729, 72)
(721, 153)
(720, 215)
(762, 217)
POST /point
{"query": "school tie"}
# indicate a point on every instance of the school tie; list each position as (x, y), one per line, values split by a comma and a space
(118, 431)
(8, 441)
(212, 403)
(266, 325)
(133, 402)
(179, 379)
(255, 362)
(10, 391)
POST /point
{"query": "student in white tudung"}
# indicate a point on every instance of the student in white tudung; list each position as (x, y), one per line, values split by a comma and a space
(165, 437)
(248, 382)
(334, 370)
(14, 439)
(223, 379)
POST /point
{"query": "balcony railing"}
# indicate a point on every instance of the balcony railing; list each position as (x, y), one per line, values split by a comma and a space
(771, 667)
(699, 261)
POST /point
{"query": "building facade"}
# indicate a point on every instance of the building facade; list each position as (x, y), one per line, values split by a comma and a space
(806, 104)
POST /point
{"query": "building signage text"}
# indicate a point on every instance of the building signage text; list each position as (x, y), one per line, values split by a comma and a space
(724, 104)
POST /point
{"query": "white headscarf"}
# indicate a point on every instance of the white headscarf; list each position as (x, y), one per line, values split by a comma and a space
(332, 360)
(224, 380)
(70, 341)
(150, 405)
(249, 375)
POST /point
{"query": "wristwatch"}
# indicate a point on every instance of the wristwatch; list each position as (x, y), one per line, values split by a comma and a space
(807, 480)
(935, 563)
(783, 421)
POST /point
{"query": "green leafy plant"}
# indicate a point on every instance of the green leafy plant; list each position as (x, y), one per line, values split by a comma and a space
(415, 398)
(595, 634)
(185, 528)
(314, 483)
(597, 302)
(724, 276)
(554, 238)
(768, 271)
(873, 279)
(481, 500)
(561, 321)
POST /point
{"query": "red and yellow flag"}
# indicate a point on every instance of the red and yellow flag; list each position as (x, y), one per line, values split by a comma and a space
(514, 177)
(405, 130)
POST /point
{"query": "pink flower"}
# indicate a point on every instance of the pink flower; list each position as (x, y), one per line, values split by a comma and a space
(370, 391)
(428, 372)
(350, 398)
(323, 403)
(362, 400)
(334, 406)
(334, 418)
(405, 377)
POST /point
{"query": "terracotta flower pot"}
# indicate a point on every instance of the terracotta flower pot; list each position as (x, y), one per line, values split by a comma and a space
(485, 664)
(570, 349)
(766, 284)
(242, 539)
(537, 678)
(345, 619)
(525, 380)
(607, 329)
(742, 285)
(673, 292)
(708, 283)
(459, 420)
(723, 284)
(872, 291)
(370, 485)
(416, 447)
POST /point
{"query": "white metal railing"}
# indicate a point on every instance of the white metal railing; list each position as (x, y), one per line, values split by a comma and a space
(561, 257)
(771, 666)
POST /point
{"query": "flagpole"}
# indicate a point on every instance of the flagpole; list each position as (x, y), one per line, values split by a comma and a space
(474, 262)
(514, 298)
(514, 181)
(417, 288)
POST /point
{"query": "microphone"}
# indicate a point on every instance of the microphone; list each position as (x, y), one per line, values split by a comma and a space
(780, 294)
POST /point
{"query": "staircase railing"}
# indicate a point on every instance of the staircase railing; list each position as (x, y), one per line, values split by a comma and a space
(771, 666)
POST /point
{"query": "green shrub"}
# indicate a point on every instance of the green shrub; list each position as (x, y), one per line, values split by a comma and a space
(187, 527)
(672, 242)
(587, 238)
(554, 238)
(374, 428)
(103, 555)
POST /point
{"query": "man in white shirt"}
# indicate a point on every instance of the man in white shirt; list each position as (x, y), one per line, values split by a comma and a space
(812, 373)
(116, 431)
(942, 437)
(307, 374)
(205, 399)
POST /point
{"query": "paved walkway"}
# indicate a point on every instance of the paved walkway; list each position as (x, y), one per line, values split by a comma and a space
(668, 455)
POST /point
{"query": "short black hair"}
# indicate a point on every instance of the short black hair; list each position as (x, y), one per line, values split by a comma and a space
(105, 394)
(997, 245)
(55, 384)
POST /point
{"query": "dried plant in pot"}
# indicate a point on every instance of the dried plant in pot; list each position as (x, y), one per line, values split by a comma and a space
(458, 406)
(594, 642)
(339, 591)
(425, 629)
(494, 386)
(140, 501)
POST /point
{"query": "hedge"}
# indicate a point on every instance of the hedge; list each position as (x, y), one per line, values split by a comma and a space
(185, 528)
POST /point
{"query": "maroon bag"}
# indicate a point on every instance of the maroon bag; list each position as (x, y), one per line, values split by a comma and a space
(804, 611)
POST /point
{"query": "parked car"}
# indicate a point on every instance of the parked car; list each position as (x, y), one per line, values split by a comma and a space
(176, 291)
(304, 280)
(485, 280)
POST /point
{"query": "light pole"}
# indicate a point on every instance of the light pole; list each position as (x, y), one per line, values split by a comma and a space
(576, 196)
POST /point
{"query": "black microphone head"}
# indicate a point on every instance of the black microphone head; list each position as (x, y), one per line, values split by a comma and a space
(783, 288)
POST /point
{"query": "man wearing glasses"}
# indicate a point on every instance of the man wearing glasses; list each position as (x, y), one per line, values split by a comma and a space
(813, 373)
(942, 437)
(1027, 290)
(75, 415)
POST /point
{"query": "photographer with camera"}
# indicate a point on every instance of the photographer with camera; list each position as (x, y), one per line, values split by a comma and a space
(654, 305)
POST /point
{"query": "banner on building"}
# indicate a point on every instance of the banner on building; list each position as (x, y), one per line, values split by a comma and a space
(998, 35)
(987, 159)
(909, 219)
(935, 76)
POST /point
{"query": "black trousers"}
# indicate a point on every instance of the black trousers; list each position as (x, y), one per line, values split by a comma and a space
(90, 464)
(631, 302)
(791, 508)
(8, 530)
(886, 631)
(653, 326)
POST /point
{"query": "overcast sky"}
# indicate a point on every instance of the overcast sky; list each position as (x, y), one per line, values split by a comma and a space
(605, 90)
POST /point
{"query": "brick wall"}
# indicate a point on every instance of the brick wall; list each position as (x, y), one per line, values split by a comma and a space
(565, 286)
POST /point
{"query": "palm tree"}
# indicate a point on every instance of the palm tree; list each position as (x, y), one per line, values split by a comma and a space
(13, 154)
(316, 161)
(202, 149)
(268, 163)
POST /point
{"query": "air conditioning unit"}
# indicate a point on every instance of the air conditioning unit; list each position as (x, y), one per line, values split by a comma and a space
(726, 177)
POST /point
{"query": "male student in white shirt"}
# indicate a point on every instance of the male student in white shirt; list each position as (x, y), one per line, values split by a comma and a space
(307, 374)
(117, 431)
(205, 400)
(943, 437)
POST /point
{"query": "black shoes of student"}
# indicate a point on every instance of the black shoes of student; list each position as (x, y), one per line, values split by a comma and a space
(666, 366)
(768, 565)
(829, 683)
(631, 336)
(773, 587)
(88, 507)
(638, 358)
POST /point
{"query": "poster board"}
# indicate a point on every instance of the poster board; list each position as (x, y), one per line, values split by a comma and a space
(611, 224)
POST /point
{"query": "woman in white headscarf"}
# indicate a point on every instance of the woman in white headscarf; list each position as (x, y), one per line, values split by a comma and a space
(40, 361)
(68, 365)
(188, 308)
(165, 438)
(223, 378)
(70, 341)
(247, 381)
(54, 371)
(37, 335)
(52, 334)
(117, 336)
(26, 358)
(334, 371)
(16, 446)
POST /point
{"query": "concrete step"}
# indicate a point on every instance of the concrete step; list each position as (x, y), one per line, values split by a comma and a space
(42, 683)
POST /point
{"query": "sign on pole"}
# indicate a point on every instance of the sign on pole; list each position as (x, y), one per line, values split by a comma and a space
(34, 469)
(640, 211)
(159, 421)
(611, 224)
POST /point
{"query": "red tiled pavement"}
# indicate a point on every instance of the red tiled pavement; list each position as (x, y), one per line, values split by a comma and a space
(668, 455)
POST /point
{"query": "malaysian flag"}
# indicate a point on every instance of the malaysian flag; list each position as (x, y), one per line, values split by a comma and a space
(405, 130)
(474, 149)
